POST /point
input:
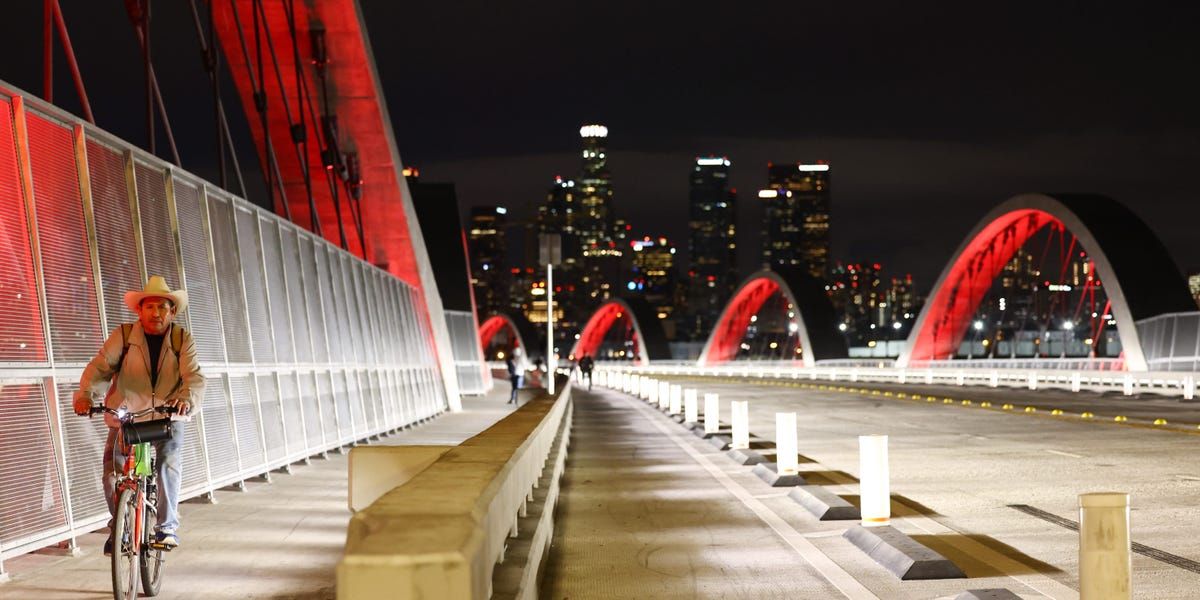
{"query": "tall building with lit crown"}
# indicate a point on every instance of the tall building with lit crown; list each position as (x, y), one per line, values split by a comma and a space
(1194, 286)
(487, 248)
(796, 217)
(712, 223)
(594, 221)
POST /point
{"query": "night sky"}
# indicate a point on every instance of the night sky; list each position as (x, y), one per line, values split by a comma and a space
(930, 114)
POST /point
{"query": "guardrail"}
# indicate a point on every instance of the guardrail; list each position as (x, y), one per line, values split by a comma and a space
(1166, 383)
(442, 533)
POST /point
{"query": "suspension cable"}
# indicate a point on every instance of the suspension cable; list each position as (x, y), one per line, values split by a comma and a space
(300, 130)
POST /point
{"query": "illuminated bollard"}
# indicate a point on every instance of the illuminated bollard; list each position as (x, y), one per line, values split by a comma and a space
(787, 456)
(740, 415)
(1104, 556)
(1129, 385)
(691, 408)
(994, 379)
(712, 413)
(652, 392)
(903, 377)
(961, 378)
(874, 488)
(1076, 382)
(676, 405)
(928, 376)
(1189, 387)
(1032, 380)
(664, 394)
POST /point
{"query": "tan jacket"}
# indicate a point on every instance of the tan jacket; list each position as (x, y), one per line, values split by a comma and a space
(176, 378)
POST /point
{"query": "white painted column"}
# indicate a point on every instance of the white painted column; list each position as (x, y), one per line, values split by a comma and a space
(676, 406)
(1032, 380)
(712, 413)
(664, 394)
(787, 457)
(740, 415)
(1104, 550)
(874, 487)
(652, 393)
(1076, 382)
(691, 408)
(1189, 387)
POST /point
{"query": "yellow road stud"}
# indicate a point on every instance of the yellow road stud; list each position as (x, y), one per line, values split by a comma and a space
(1087, 415)
(1056, 412)
(1007, 407)
(947, 400)
(1160, 421)
(1030, 409)
(966, 402)
(1120, 418)
(985, 404)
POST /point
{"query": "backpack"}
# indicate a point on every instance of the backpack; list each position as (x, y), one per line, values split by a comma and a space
(127, 328)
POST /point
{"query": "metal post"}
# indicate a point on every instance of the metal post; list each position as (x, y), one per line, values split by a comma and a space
(550, 328)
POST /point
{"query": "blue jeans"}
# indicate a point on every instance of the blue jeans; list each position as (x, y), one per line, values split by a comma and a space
(170, 476)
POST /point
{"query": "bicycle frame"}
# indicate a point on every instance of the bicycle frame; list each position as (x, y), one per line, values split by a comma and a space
(136, 475)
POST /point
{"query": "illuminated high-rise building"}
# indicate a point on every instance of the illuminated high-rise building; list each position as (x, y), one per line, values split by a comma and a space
(712, 222)
(1194, 286)
(594, 221)
(796, 217)
(652, 277)
(487, 248)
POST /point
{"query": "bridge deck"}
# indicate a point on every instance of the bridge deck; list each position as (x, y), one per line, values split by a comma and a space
(649, 510)
(275, 540)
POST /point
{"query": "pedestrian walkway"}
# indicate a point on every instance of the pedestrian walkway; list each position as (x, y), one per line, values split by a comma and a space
(281, 539)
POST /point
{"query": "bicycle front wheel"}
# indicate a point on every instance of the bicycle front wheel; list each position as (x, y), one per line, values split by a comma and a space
(125, 553)
(152, 559)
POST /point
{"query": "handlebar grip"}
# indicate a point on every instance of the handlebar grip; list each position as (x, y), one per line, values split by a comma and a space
(96, 410)
(168, 410)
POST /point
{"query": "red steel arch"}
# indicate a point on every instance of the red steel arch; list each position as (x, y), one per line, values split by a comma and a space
(815, 321)
(601, 321)
(1134, 254)
(494, 325)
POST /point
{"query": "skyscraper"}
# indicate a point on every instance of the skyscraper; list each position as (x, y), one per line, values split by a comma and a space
(489, 270)
(712, 243)
(594, 220)
(652, 277)
(796, 217)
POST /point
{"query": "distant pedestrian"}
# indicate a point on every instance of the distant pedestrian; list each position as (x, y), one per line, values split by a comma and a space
(586, 364)
(514, 377)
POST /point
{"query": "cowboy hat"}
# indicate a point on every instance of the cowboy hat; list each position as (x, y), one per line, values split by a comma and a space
(157, 288)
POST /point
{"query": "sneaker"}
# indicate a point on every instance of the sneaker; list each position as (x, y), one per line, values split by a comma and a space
(108, 547)
(165, 540)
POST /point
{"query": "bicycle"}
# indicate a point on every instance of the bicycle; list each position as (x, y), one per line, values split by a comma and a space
(133, 557)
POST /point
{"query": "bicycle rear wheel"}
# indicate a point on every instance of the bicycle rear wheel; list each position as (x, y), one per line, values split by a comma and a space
(124, 557)
(152, 560)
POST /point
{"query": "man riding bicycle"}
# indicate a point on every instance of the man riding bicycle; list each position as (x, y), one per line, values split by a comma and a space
(147, 364)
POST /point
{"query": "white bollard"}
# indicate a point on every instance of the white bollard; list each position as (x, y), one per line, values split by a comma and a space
(676, 406)
(1129, 385)
(787, 456)
(1076, 382)
(874, 487)
(1104, 547)
(854, 375)
(664, 394)
(691, 408)
(1032, 380)
(903, 377)
(636, 385)
(928, 376)
(740, 415)
(1189, 387)
(652, 392)
(712, 413)
(961, 378)
(994, 379)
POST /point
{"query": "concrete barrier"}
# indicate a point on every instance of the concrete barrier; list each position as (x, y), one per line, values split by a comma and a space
(441, 534)
(1105, 561)
(377, 470)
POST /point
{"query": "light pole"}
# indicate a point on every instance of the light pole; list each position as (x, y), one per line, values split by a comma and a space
(550, 251)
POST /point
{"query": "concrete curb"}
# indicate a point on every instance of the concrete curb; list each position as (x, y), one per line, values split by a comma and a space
(824, 504)
(720, 442)
(746, 457)
(903, 556)
(768, 472)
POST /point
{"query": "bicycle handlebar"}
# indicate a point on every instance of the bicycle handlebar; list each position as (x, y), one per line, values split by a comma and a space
(123, 415)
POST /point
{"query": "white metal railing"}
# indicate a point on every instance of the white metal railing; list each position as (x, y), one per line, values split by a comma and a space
(1167, 383)
(305, 347)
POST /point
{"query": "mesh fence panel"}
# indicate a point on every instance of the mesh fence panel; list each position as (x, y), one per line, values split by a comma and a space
(198, 274)
(158, 242)
(229, 291)
(75, 329)
(312, 299)
(255, 285)
(296, 295)
(272, 416)
(30, 482)
(277, 290)
(83, 440)
(21, 337)
(293, 413)
(245, 421)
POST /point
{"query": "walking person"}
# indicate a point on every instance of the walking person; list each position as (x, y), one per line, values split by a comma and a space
(514, 377)
(586, 364)
(149, 363)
